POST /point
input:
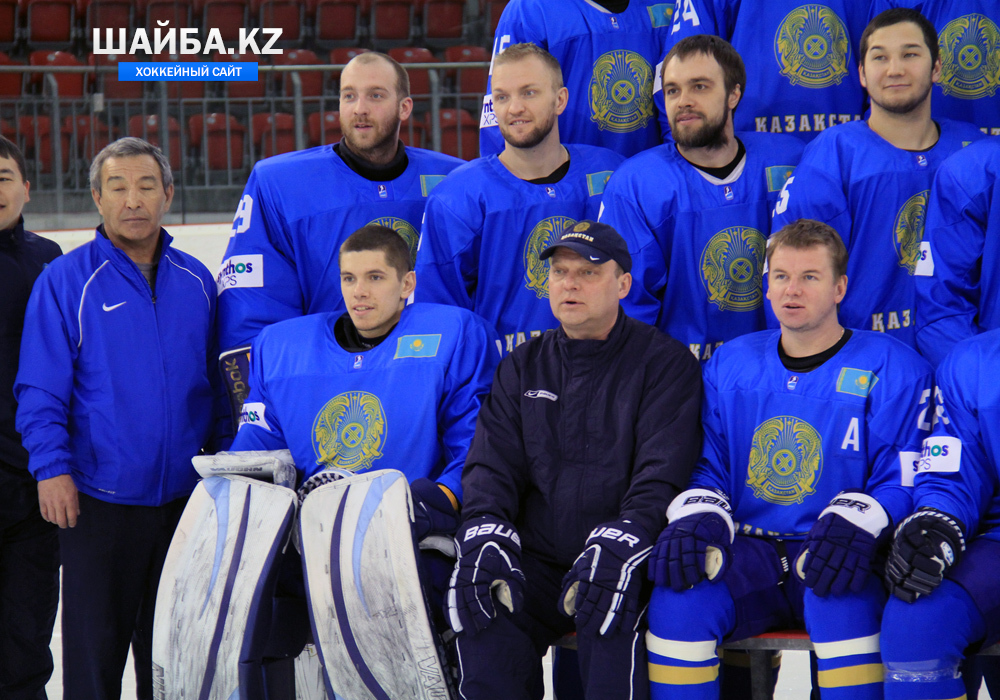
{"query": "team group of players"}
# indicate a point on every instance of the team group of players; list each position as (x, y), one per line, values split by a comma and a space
(659, 492)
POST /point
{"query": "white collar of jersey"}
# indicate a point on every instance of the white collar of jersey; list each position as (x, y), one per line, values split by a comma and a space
(733, 176)
(598, 7)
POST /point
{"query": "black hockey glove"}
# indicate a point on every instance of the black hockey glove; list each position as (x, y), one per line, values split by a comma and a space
(433, 513)
(925, 546)
(837, 553)
(696, 543)
(602, 588)
(489, 563)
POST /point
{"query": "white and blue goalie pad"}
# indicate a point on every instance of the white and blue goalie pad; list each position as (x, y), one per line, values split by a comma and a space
(217, 583)
(369, 614)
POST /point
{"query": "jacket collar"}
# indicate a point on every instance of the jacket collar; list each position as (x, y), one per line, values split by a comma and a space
(589, 348)
(13, 235)
(115, 254)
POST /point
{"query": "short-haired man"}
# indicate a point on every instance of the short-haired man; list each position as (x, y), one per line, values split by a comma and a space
(800, 59)
(587, 434)
(29, 546)
(298, 208)
(969, 31)
(944, 557)
(870, 180)
(608, 50)
(806, 431)
(697, 210)
(117, 391)
(488, 222)
(957, 288)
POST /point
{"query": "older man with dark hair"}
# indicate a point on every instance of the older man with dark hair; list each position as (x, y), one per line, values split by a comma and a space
(116, 393)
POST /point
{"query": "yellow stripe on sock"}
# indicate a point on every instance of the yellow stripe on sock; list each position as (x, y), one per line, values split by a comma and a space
(851, 675)
(682, 675)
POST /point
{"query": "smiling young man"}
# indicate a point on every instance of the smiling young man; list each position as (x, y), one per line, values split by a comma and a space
(594, 422)
(116, 392)
(871, 179)
(811, 433)
(298, 208)
(697, 210)
(488, 222)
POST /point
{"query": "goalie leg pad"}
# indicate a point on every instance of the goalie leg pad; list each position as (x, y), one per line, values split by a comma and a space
(216, 587)
(369, 613)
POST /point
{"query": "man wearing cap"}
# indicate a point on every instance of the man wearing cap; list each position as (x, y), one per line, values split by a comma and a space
(588, 433)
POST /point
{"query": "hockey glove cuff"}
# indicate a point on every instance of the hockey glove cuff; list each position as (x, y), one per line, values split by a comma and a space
(696, 543)
(925, 546)
(603, 587)
(489, 563)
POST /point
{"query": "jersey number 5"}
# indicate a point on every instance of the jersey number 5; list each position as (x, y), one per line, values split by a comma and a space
(782, 203)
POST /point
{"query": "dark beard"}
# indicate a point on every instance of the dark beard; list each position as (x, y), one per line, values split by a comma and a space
(372, 154)
(532, 139)
(710, 135)
(905, 107)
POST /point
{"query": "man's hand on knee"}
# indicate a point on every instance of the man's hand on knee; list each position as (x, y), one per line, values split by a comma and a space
(489, 563)
(695, 545)
(602, 588)
(925, 546)
(58, 500)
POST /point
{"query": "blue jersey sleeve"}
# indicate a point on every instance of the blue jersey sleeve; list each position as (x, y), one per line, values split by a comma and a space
(955, 473)
(467, 383)
(260, 427)
(713, 468)
(254, 299)
(948, 290)
(620, 210)
(815, 191)
(448, 256)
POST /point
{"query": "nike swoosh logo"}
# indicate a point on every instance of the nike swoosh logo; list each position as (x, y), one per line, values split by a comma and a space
(594, 258)
(112, 308)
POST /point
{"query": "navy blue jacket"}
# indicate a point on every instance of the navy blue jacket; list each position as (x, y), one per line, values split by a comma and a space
(22, 257)
(117, 384)
(576, 433)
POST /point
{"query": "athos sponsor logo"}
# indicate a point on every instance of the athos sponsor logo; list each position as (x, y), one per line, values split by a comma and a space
(253, 414)
(240, 271)
(940, 454)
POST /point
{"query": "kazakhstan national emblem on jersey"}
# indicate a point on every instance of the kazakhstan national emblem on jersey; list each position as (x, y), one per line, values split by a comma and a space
(536, 270)
(621, 92)
(731, 266)
(349, 431)
(908, 231)
(403, 228)
(812, 47)
(786, 460)
(970, 57)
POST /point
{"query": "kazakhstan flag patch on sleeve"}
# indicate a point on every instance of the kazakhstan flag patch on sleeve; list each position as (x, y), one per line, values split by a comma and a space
(661, 15)
(857, 382)
(777, 175)
(417, 346)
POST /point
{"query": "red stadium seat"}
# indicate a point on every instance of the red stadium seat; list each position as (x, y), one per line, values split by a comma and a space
(491, 10)
(411, 132)
(10, 83)
(89, 134)
(8, 23)
(8, 131)
(50, 23)
(273, 133)
(287, 15)
(470, 81)
(459, 133)
(342, 57)
(70, 84)
(444, 21)
(109, 84)
(109, 14)
(227, 16)
(186, 89)
(36, 142)
(147, 127)
(312, 81)
(224, 149)
(391, 23)
(338, 22)
(176, 12)
(324, 128)
(420, 83)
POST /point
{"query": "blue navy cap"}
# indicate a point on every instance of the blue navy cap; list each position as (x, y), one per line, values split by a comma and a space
(593, 240)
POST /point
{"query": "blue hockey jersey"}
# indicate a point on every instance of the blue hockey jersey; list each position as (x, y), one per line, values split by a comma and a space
(801, 59)
(697, 242)
(875, 196)
(295, 212)
(410, 403)
(958, 468)
(957, 291)
(969, 39)
(782, 444)
(485, 229)
(608, 62)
